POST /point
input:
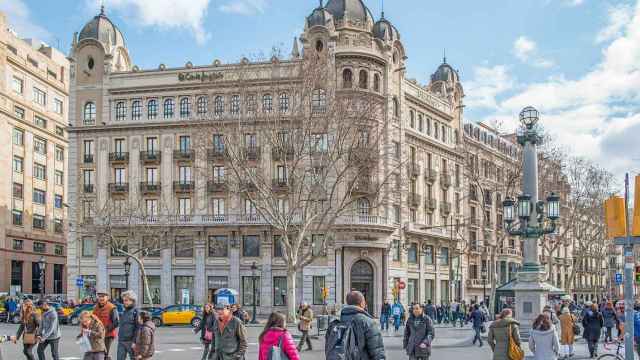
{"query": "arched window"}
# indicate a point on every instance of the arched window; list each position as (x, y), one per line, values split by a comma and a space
(121, 111)
(267, 103)
(396, 107)
(136, 110)
(152, 109)
(235, 104)
(364, 207)
(185, 107)
(89, 113)
(363, 79)
(169, 108)
(218, 105)
(376, 83)
(283, 102)
(347, 79)
(201, 105)
(319, 101)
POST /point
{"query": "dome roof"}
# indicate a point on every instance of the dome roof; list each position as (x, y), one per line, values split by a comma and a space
(354, 9)
(320, 16)
(384, 28)
(445, 73)
(100, 28)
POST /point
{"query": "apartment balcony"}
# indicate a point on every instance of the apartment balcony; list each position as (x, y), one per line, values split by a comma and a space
(478, 283)
(475, 247)
(282, 153)
(252, 153)
(509, 252)
(445, 207)
(441, 232)
(281, 184)
(248, 186)
(445, 180)
(413, 170)
(150, 157)
(216, 186)
(430, 175)
(88, 158)
(362, 186)
(184, 155)
(184, 186)
(119, 157)
(118, 188)
(414, 200)
(216, 154)
(431, 204)
(88, 188)
(147, 188)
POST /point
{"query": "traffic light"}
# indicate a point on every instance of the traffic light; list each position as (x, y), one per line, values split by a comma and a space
(637, 274)
(615, 216)
(635, 228)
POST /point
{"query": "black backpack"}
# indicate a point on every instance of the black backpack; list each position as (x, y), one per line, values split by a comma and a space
(341, 341)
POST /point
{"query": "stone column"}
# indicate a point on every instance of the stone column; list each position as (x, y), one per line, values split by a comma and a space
(200, 275)
(102, 276)
(166, 278)
(234, 266)
(266, 278)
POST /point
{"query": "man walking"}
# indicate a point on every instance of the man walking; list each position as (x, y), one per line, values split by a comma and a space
(11, 307)
(306, 318)
(107, 313)
(397, 310)
(49, 332)
(477, 321)
(430, 309)
(128, 326)
(230, 338)
(385, 315)
(418, 334)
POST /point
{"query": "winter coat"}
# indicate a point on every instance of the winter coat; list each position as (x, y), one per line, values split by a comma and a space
(30, 326)
(207, 324)
(145, 338)
(498, 337)
(367, 333)
(231, 342)
(592, 323)
(385, 310)
(96, 335)
(128, 325)
(544, 344)
(418, 330)
(609, 316)
(477, 318)
(567, 336)
(430, 309)
(272, 338)
(49, 327)
(306, 318)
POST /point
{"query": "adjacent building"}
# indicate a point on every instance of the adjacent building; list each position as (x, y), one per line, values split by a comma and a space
(34, 90)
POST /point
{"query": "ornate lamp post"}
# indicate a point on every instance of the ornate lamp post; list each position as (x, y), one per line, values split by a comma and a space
(254, 270)
(484, 284)
(42, 264)
(127, 270)
(535, 219)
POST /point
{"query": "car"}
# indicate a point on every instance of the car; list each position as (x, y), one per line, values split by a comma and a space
(152, 310)
(179, 315)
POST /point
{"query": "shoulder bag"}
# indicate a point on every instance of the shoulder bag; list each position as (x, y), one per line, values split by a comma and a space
(515, 352)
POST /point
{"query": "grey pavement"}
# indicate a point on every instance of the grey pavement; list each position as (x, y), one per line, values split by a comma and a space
(180, 343)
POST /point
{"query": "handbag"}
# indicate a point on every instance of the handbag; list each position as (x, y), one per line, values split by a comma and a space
(29, 339)
(576, 329)
(515, 352)
(276, 353)
(208, 335)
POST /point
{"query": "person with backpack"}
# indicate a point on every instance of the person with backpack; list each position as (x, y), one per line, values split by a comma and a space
(206, 330)
(143, 347)
(477, 319)
(385, 315)
(128, 326)
(355, 336)
(276, 339)
(397, 311)
(418, 334)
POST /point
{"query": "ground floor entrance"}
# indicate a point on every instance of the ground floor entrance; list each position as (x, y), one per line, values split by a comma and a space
(362, 280)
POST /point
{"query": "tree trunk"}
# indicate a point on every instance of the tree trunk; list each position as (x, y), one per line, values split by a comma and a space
(145, 283)
(491, 305)
(291, 295)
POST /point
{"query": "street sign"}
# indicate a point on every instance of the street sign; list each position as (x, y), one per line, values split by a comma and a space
(79, 282)
(618, 278)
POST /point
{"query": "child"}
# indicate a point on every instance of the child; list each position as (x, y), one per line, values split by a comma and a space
(143, 346)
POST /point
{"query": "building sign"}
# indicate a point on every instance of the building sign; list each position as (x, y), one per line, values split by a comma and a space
(201, 76)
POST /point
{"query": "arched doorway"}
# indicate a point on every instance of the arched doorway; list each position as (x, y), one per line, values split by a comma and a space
(362, 280)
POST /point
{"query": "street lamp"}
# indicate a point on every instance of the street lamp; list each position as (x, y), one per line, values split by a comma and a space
(254, 269)
(507, 210)
(553, 207)
(42, 264)
(127, 270)
(484, 283)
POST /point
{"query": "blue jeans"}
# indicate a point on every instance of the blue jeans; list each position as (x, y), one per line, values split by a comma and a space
(124, 349)
(397, 322)
(384, 322)
(477, 335)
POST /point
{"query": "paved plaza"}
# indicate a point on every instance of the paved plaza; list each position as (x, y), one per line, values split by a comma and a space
(180, 343)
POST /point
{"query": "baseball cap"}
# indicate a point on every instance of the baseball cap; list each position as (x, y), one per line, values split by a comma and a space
(219, 306)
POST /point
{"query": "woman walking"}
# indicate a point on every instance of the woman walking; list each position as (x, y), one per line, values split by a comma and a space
(543, 341)
(143, 347)
(501, 332)
(567, 334)
(29, 326)
(206, 330)
(275, 334)
(593, 323)
(92, 328)
(609, 316)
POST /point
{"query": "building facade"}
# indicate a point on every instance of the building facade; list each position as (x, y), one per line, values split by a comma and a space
(33, 111)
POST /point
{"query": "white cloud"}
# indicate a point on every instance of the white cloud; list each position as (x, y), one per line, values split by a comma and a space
(244, 7)
(487, 83)
(619, 16)
(19, 18)
(526, 50)
(167, 14)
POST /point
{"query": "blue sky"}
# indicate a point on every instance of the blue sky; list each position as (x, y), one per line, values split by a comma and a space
(578, 61)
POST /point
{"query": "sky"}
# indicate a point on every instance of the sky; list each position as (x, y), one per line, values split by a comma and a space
(577, 61)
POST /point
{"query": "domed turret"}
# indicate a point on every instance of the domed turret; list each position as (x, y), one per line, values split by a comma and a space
(319, 17)
(353, 9)
(383, 30)
(100, 28)
(445, 73)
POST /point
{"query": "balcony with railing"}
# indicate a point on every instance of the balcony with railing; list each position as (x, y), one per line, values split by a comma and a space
(509, 252)
(216, 185)
(362, 186)
(431, 204)
(147, 187)
(282, 153)
(118, 188)
(88, 188)
(282, 184)
(430, 175)
(474, 221)
(477, 283)
(445, 180)
(184, 186)
(216, 154)
(150, 157)
(413, 170)
(184, 155)
(88, 158)
(119, 157)
(252, 153)
(414, 200)
(443, 232)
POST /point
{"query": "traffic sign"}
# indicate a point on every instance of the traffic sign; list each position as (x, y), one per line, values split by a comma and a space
(401, 285)
(618, 278)
(79, 282)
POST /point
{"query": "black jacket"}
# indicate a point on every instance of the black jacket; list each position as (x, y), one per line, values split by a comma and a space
(207, 323)
(128, 325)
(368, 335)
(385, 310)
(593, 323)
(419, 330)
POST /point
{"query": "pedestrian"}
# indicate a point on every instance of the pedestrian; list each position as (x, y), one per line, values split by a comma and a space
(500, 333)
(430, 310)
(11, 307)
(462, 314)
(592, 323)
(275, 334)
(543, 341)
(365, 335)
(609, 316)
(477, 322)
(143, 346)
(230, 336)
(240, 313)
(28, 329)
(206, 330)
(128, 326)
(49, 334)
(397, 310)
(418, 335)
(91, 327)
(107, 313)
(385, 315)
(620, 319)
(306, 318)
(636, 326)
(567, 333)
